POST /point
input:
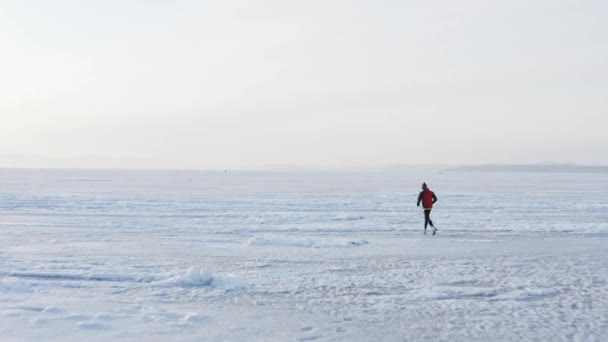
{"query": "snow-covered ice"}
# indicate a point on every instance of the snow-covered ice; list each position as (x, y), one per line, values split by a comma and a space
(98, 255)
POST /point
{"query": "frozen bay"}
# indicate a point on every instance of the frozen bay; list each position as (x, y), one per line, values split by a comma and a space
(188, 255)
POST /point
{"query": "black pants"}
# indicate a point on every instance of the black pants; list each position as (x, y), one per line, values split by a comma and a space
(427, 218)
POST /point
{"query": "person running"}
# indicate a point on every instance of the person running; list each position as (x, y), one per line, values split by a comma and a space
(428, 198)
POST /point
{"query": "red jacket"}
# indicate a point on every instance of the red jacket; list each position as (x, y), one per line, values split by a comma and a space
(428, 198)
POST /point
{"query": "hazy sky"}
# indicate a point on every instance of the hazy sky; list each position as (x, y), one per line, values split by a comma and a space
(216, 84)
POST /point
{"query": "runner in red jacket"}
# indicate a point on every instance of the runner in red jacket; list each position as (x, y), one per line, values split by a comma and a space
(428, 198)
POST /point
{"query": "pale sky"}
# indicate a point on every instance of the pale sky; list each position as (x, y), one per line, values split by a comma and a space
(243, 84)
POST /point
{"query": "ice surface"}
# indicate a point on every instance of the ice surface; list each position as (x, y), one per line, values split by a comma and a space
(102, 255)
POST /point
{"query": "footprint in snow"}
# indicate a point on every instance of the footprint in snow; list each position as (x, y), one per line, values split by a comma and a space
(40, 321)
(77, 317)
(93, 325)
(311, 337)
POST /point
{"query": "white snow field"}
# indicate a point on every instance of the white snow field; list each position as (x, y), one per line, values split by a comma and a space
(101, 255)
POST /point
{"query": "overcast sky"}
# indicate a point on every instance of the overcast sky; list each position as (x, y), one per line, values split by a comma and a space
(243, 84)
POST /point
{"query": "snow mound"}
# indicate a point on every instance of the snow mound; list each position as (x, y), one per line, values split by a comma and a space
(195, 277)
(305, 243)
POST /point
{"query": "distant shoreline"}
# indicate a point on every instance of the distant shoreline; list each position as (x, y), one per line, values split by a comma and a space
(487, 168)
(533, 168)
